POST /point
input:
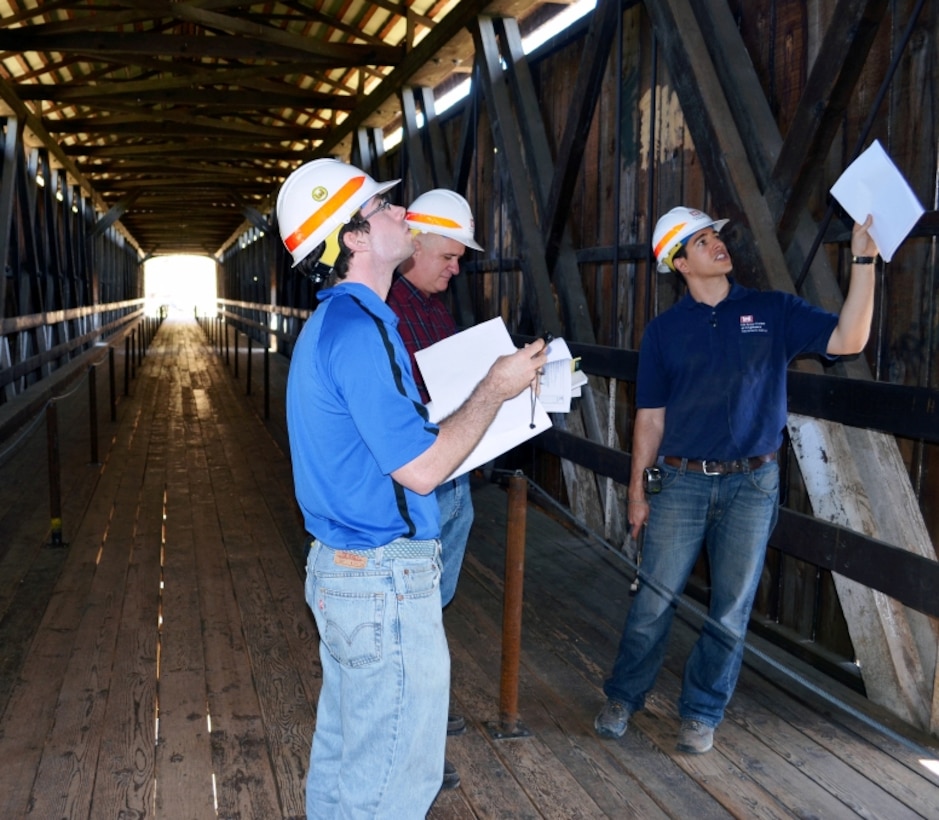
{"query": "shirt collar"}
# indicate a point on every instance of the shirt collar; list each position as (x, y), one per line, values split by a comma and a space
(736, 292)
(365, 295)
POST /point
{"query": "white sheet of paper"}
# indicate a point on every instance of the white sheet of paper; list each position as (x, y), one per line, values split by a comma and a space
(453, 367)
(872, 184)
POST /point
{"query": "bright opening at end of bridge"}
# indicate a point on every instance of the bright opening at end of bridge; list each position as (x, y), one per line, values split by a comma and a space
(184, 283)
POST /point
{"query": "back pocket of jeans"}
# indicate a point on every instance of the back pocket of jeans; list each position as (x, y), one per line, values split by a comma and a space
(352, 626)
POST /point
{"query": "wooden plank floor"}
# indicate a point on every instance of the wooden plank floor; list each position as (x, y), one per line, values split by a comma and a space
(164, 663)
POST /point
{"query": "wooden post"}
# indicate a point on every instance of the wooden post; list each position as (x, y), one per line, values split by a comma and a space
(509, 725)
(93, 411)
(55, 479)
(267, 382)
(112, 383)
(248, 367)
(127, 365)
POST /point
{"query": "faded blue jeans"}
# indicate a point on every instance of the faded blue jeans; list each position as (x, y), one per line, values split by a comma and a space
(732, 516)
(381, 719)
(456, 519)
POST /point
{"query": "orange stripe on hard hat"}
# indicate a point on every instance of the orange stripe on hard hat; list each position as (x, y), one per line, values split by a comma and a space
(668, 238)
(436, 221)
(317, 218)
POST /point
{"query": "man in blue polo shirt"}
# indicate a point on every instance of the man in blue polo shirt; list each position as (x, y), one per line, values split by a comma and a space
(711, 409)
(366, 461)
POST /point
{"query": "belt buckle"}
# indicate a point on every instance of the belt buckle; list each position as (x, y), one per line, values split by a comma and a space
(717, 468)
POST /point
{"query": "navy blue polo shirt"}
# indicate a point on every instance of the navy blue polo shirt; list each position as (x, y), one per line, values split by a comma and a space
(354, 416)
(720, 373)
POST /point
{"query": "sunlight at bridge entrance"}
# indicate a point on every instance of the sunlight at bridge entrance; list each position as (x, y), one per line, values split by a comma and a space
(183, 283)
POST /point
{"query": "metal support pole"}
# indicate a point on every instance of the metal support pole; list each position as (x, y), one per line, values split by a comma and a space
(267, 382)
(248, 369)
(509, 725)
(55, 478)
(93, 411)
(112, 383)
(236, 352)
(132, 352)
(127, 365)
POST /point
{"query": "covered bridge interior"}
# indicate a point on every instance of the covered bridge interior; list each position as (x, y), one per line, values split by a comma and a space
(134, 130)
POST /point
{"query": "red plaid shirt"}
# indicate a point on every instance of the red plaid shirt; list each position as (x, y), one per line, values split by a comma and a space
(422, 321)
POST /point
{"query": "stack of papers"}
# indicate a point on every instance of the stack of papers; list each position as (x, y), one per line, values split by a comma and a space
(562, 379)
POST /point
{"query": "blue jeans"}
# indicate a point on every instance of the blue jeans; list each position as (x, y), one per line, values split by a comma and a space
(381, 719)
(456, 519)
(733, 516)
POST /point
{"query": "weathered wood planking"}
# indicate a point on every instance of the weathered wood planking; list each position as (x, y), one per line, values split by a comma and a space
(183, 767)
(238, 646)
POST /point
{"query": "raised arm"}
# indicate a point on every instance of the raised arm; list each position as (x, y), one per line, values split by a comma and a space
(854, 321)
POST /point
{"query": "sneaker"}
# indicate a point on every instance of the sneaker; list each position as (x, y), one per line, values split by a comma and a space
(695, 737)
(456, 724)
(612, 720)
(451, 777)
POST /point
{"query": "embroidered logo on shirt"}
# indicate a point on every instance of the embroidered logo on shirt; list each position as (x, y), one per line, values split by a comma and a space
(344, 558)
(750, 325)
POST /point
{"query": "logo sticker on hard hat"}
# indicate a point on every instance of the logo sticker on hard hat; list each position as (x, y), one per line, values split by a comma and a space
(319, 193)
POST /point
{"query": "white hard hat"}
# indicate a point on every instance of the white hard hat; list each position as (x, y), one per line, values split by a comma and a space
(445, 213)
(674, 229)
(318, 198)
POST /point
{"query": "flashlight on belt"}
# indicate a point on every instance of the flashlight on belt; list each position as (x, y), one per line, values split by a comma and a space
(652, 480)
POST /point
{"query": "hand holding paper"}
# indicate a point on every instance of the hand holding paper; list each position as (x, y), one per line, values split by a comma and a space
(873, 185)
(454, 366)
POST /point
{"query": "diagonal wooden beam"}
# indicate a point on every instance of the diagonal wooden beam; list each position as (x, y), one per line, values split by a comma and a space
(604, 26)
(30, 121)
(421, 173)
(563, 270)
(12, 156)
(459, 18)
(511, 161)
(825, 98)
(114, 213)
(729, 175)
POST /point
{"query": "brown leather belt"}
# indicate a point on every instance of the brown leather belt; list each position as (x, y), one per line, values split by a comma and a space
(741, 465)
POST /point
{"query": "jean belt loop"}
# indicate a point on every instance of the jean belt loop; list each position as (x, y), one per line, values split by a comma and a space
(684, 466)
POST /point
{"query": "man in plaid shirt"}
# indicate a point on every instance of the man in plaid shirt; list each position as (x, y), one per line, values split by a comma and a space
(443, 228)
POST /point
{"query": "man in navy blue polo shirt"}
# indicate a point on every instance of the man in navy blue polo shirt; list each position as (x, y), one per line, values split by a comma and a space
(711, 409)
(366, 461)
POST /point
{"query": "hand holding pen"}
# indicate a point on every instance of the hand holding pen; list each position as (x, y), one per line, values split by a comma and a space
(536, 382)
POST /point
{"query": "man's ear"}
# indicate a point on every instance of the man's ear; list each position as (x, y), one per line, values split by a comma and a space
(681, 265)
(355, 240)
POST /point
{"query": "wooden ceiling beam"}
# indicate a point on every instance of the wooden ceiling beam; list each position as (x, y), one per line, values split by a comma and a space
(285, 97)
(164, 123)
(124, 45)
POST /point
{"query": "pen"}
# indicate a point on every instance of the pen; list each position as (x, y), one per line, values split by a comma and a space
(548, 337)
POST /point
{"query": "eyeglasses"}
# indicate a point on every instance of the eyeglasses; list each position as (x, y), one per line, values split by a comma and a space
(382, 206)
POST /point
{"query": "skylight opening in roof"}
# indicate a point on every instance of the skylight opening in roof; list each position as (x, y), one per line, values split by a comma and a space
(532, 41)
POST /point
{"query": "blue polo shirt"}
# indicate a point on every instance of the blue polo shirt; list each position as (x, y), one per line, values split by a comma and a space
(354, 416)
(720, 373)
